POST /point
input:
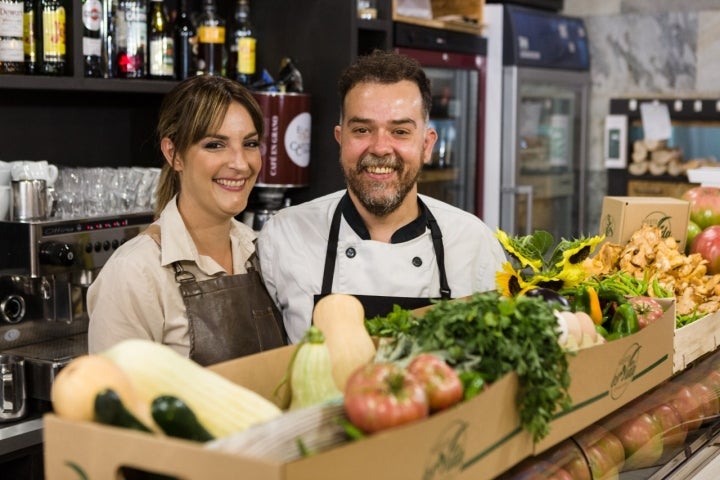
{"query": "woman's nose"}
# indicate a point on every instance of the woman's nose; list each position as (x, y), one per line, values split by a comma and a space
(239, 162)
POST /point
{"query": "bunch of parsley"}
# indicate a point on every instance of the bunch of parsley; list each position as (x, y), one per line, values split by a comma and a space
(488, 336)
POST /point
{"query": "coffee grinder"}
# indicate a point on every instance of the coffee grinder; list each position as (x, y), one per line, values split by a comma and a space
(285, 153)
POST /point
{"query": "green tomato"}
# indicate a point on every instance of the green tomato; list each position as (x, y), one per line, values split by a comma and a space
(692, 230)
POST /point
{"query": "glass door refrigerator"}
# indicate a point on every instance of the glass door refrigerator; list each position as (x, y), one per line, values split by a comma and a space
(541, 121)
(455, 63)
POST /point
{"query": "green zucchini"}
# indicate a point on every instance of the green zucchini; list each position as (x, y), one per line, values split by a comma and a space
(176, 419)
(110, 410)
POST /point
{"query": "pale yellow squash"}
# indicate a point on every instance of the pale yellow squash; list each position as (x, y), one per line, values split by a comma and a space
(341, 318)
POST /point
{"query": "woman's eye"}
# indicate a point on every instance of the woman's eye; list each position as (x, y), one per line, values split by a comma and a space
(213, 145)
(252, 144)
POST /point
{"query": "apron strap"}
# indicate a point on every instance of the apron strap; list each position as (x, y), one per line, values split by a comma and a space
(331, 252)
(436, 234)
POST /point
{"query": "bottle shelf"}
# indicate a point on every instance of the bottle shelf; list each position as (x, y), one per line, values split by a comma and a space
(38, 82)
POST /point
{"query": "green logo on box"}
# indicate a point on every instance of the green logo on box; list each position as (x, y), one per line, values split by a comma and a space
(660, 220)
(445, 460)
(625, 371)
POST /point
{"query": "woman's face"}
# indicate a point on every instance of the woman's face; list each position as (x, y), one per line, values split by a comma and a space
(218, 172)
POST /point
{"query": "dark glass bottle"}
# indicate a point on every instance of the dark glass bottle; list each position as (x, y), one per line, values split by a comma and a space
(185, 37)
(131, 38)
(211, 40)
(51, 37)
(161, 45)
(29, 37)
(92, 18)
(242, 45)
(12, 57)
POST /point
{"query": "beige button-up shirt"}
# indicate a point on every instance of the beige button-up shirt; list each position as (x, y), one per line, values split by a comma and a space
(135, 294)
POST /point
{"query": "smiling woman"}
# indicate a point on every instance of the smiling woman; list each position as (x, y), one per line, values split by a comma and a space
(191, 281)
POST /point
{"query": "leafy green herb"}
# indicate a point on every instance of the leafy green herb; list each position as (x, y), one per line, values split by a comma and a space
(490, 335)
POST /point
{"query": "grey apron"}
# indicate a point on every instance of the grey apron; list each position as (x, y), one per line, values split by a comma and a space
(376, 305)
(229, 316)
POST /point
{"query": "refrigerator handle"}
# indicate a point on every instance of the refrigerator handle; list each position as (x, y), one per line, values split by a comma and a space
(526, 190)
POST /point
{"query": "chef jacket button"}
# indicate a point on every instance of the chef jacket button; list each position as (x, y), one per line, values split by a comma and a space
(350, 252)
(417, 261)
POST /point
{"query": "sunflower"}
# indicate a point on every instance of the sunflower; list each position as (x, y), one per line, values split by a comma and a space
(575, 251)
(522, 250)
(510, 282)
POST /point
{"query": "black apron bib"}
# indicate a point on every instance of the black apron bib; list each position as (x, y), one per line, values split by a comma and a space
(376, 305)
(229, 316)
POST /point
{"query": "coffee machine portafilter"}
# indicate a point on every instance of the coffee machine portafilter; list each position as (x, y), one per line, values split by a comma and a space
(46, 267)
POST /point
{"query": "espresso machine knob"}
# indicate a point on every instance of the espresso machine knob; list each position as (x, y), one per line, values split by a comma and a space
(12, 308)
(57, 253)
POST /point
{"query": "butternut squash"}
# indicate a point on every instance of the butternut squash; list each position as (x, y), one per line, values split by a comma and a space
(77, 385)
(341, 318)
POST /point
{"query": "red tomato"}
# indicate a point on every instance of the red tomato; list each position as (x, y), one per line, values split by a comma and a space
(442, 385)
(604, 451)
(707, 244)
(642, 439)
(673, 428)
(647, 308)
(384, 395)
(704, 205)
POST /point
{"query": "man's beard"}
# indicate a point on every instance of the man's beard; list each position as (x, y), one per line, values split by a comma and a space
(380, 198)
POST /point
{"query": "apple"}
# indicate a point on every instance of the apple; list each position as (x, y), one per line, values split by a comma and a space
(692, 230)
(707, 244)
(708, 399)
(704, 205)
(569, 456)
(642, 440)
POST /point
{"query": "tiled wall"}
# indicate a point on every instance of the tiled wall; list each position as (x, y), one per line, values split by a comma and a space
(659, 48)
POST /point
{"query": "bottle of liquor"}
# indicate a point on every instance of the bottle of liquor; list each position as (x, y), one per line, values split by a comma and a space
(242, 43)
(185, 37)
(92, 18)
(109, 37)
(12, 57)
(131, 38)
(29, 38)
(211, 40)
(51, 37)
(161, 51)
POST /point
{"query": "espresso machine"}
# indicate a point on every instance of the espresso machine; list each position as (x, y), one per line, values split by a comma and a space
(46, 267)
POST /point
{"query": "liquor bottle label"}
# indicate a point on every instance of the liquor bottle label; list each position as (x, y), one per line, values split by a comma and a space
(211, 34)
(29, 36)
(11, 50)
(54, 33)
(11, 19)
(92, 15)
(246, 55)
(161, 57)
(92, 46)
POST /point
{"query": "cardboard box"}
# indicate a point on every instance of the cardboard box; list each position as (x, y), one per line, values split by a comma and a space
(696, 339)
(623, 216)
(479, 439)
(606, 377)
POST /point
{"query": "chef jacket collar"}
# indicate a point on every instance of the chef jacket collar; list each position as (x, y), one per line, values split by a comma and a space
(412, 230)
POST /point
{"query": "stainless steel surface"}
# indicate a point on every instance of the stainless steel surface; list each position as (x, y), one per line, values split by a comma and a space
(29, 199)
(13, 402)
(19, 435)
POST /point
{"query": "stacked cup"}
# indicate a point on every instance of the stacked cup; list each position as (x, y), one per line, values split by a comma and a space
(5, 177)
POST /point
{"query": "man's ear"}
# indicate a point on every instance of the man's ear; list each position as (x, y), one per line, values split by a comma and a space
(431, 137)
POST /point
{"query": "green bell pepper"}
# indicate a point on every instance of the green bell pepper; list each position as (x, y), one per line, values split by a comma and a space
(624, 321)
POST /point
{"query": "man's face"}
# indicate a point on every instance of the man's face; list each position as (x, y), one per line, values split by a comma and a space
(384, 142)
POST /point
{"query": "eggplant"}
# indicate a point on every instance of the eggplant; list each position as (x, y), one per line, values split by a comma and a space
(549, 296)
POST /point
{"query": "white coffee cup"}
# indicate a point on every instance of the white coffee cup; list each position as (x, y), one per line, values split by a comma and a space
(4, 202)
(5, 173)
(34, 170)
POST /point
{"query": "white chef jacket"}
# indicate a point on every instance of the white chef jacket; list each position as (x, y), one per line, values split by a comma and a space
(293, 243)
